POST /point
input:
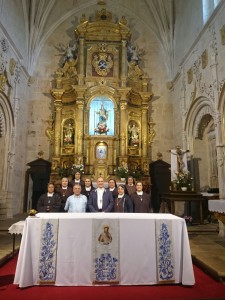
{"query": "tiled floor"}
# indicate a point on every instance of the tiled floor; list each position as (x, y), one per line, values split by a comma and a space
(207, 249)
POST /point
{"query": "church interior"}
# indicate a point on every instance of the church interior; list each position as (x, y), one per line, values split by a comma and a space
(100, 85)
(116, 88)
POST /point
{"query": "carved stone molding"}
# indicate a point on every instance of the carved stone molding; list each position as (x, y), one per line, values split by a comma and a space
(222, 34)
(190, 76)
(2, 124)
(200, 122)
(204, 59)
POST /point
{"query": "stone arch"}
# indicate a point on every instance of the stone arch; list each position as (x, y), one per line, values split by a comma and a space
(200, 132)
(6, 135)
(198, 111)
(221, 108)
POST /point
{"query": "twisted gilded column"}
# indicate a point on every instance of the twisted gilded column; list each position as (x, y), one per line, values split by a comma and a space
(123, 129)
(123, 63)
(144, 121)
(81, 62)
(58, 118)
(124, 92)
(79, 127)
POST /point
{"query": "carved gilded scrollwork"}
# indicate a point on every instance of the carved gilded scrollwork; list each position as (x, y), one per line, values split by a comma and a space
(152, 132)
(50, 130)
(2, 82)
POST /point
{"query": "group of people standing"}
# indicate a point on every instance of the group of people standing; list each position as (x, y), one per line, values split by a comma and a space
(80, 196)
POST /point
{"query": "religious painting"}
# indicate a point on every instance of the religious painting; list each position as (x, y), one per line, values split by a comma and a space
(101, 116)
(101, 151)
(68, 132)
(133, 134)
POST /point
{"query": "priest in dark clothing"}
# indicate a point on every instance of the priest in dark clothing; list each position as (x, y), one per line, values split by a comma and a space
(50, 201)
(141, 200)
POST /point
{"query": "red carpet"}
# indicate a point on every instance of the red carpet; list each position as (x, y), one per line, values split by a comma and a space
(205, 288)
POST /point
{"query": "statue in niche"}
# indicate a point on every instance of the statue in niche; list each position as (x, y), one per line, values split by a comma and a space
(101, 127)
(68, 133)
(133, 134)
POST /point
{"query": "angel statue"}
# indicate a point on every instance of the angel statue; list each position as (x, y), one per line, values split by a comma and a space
(69, 51)
(134, 53)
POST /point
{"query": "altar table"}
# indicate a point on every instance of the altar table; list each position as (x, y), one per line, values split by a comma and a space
(178, 196)
(137, 249)
(16, 228)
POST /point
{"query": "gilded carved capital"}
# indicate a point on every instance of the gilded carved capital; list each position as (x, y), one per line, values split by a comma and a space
(80, 104)
(144, 109)
(123, 105)
(57, 94)
(146, 97)
(124, 93)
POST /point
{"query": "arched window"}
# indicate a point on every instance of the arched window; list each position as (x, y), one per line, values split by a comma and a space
(208, 7)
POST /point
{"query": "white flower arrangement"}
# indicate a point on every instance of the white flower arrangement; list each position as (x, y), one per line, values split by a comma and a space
(122, 172)
(77, 168)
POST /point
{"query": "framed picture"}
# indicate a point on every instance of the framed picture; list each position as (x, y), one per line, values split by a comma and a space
(101, 117)
(101, 151)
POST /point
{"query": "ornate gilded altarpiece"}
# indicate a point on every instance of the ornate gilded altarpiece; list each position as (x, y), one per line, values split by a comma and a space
(101, 102)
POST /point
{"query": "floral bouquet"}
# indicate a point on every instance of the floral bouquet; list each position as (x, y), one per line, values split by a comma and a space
(77, 168)
(188, 219)
(138, 173)
(122, 172)
(184, 180)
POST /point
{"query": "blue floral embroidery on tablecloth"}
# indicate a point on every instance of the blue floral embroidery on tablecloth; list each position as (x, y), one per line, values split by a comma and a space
(166, 266)
(106, 267)
(46, 262)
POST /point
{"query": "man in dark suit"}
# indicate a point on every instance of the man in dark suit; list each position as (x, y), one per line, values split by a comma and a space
(100, 200)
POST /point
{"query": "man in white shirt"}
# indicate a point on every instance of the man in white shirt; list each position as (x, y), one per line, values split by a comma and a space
(77, 202)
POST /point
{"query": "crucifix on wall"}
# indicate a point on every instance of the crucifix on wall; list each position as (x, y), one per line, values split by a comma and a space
(178, 161)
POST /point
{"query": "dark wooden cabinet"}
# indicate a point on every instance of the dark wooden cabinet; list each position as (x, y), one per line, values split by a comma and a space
(39, 173)
(160, 182)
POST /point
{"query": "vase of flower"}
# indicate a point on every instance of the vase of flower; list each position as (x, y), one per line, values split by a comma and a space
(123, 179)
(183, 188)
(188, 220)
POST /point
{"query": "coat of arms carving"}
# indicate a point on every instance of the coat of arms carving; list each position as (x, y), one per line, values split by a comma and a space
(102, 63)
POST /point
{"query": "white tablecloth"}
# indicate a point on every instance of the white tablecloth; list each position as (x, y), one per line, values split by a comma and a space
(17, 228)
(74, 252)
(217, 205)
